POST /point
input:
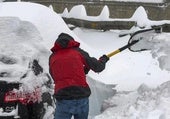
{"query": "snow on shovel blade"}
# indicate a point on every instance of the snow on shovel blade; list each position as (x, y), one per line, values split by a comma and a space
(145, 40)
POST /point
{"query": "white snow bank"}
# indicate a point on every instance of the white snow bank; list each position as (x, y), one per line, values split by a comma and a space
(49, 24)
(141, 17)
(100, 92)
(104, 15)
(161, 50)
(145, 103)
(78, 11)
(157, 43)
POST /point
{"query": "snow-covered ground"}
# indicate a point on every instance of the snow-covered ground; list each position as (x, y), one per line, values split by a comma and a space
(128, 70)
(145, 103)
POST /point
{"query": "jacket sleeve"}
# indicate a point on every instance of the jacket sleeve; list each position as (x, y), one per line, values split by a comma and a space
(91, 62)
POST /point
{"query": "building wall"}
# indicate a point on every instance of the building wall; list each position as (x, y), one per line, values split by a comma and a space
(155, 11)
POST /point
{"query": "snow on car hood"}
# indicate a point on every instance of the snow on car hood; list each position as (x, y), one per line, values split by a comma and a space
(20, 44)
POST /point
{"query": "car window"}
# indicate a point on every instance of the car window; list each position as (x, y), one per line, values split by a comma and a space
(35, 66)
(7, 60)
(4, 74)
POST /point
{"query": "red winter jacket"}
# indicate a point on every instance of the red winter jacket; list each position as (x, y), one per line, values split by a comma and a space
(68, 65)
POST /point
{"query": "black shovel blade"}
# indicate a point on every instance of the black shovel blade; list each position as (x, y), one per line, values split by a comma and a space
(145, 40)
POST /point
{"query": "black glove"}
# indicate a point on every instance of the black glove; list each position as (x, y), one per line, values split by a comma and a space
(86, 70)
(104, 58)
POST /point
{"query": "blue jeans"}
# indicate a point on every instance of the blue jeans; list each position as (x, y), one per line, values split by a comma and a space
(65, 109)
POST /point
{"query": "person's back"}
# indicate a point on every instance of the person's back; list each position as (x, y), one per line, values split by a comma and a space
(68, 67)
(68, 72)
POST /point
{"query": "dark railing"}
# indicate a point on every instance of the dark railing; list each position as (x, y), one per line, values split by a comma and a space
(100, 25)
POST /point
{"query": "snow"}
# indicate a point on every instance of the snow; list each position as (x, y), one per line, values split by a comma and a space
(140, 16)
(104, 15)
(34, 15)
(76, 14)
(138, 75)
(145, 103)
(13, 28)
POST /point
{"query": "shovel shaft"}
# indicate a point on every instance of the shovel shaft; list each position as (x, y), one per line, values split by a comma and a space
(113, 53)
(121, 49)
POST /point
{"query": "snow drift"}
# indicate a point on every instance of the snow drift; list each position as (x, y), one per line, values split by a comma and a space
(145, 103)
(128, 70)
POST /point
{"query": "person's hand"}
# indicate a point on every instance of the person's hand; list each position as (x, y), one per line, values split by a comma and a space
(104, 58)
(86, 70)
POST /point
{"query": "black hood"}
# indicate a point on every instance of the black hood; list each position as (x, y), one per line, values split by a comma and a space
(63, 39)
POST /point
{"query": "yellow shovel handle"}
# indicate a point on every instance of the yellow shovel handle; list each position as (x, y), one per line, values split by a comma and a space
(113, 53)
(122, 48)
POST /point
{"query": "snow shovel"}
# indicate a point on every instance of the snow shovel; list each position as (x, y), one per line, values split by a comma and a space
(146, 39)
(139, 41)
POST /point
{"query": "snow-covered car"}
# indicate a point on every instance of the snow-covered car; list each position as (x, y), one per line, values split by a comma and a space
(26, 87)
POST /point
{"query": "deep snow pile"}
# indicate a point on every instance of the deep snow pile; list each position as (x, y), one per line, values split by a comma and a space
(161, 50)
(145, 103)
(157, 43)
(48, 23)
